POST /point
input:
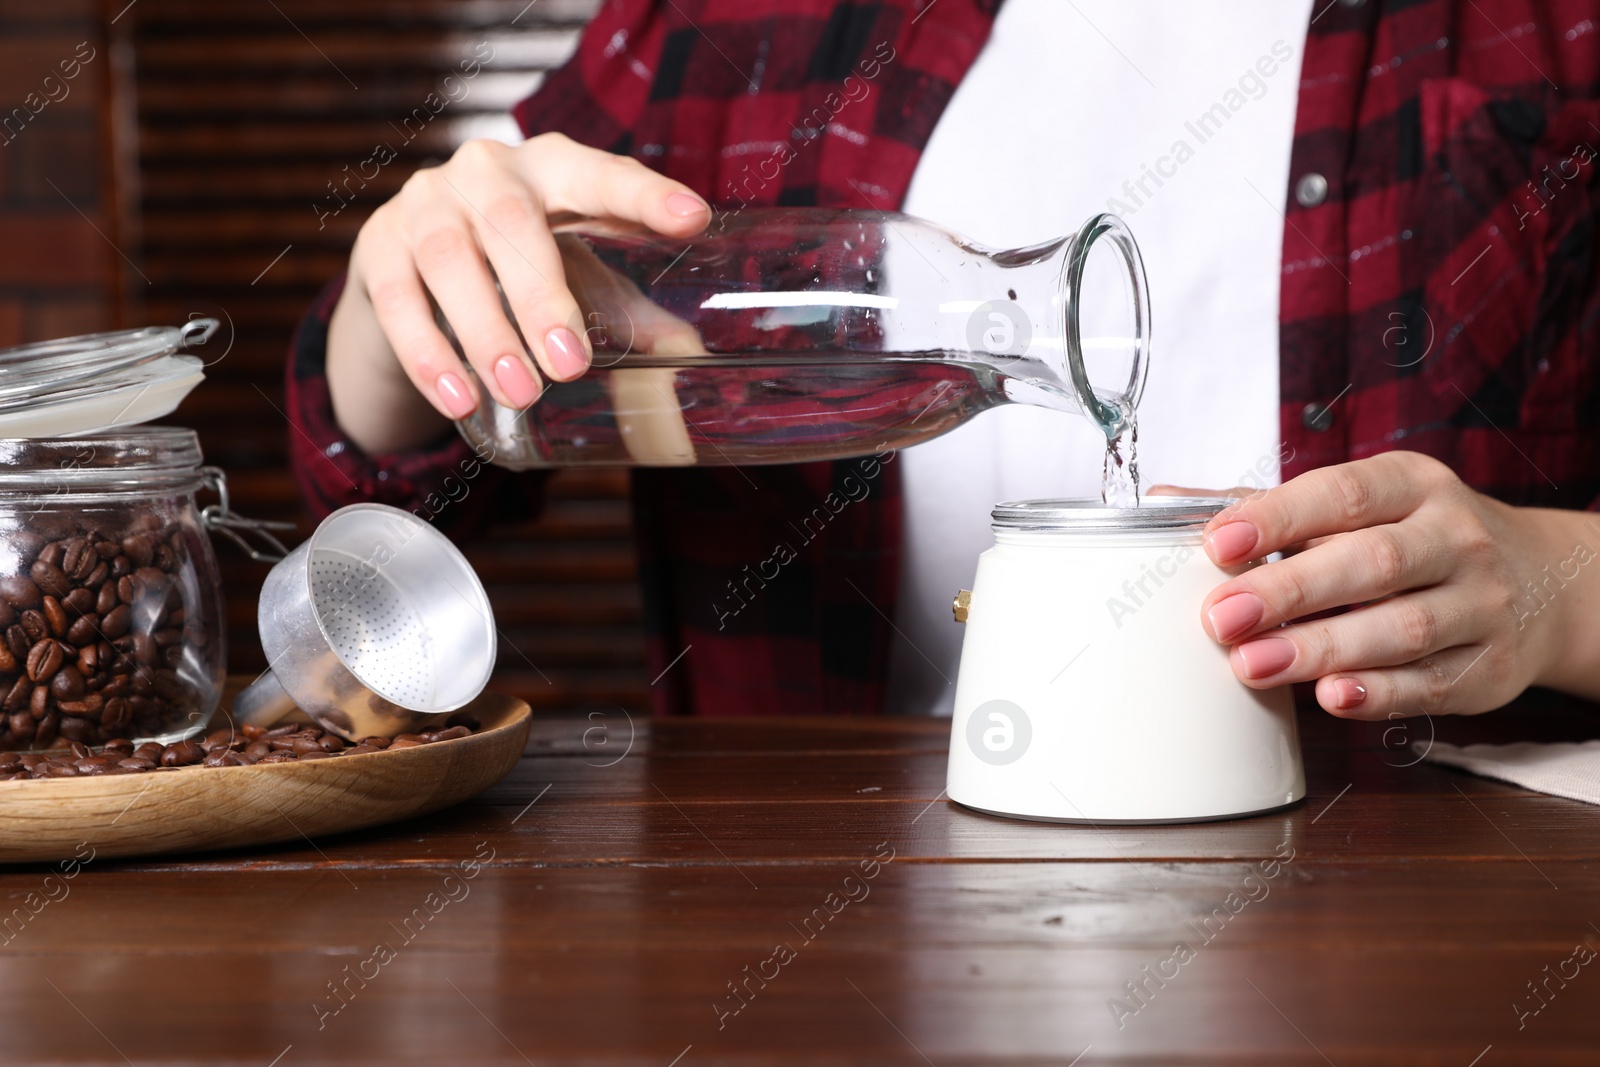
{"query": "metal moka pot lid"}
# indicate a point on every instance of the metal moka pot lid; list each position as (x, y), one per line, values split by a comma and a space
(1087, 515)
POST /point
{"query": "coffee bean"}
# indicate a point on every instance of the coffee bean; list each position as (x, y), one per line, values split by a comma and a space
(127, 589)
(134, 763)
(17, 641)
(44, 659)
(50, 578)
(117, 714)
(84, 631)
(46, 732)
(120, 566)
(19, 592)
(181, 754)
(78, 603)
(67, 685)
(17, 697)
(75, 729)
(22, 725)
(106, 599)
(39, 703)
(55, 616)
(34, 625)
(79, 560)
(98, 577)
(88, 705)
(140, 548)
(115, 623)
(50, 554)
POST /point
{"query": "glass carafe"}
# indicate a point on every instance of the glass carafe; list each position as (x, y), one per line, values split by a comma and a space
(791, 334)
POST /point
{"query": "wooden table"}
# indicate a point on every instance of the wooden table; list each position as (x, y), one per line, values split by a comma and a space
(627, 886)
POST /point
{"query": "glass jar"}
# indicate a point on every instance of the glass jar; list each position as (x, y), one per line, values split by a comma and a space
(786, 335)
(110, 599)
(1088, 691)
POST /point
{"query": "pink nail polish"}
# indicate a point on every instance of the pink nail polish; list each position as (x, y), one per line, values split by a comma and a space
(1235, 616)
(1348, 693)
(566, 354)
(1265, 657)
(515, 381)
(684, 205)
(455, 396)
(1232, 542)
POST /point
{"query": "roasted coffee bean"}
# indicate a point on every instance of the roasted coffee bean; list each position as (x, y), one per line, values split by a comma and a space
(134, 763)
(39, 702)
(22, 725)
(140, 548)
(8, 614)
(98, 577)
(17, 698)
(75, 729)
(106, 599)
(44, 659)
(34, 625)
(127, 589)
(50, 578)
(79, 560)
(168, 637)
(67, 685)
(117, 714)
(181, 753)
(19, 592)
(89, 705)
(115, 623)
(120, 566)
(55, 616)
(78, 602)
(85, 631)
(89, 661)
(17, 641)
(144, 649)
(8, 662)
(50, 554)
(80, 751)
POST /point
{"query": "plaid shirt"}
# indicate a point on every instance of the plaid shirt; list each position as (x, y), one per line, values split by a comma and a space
(1439, 291)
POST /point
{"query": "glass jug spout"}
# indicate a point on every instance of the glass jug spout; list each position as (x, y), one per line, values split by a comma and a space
(788, 335)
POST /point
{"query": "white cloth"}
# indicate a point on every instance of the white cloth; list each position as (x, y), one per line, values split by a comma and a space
(1068, 108)
(1564, 769)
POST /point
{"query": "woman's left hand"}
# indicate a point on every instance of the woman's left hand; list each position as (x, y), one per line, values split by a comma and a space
(1459, 602)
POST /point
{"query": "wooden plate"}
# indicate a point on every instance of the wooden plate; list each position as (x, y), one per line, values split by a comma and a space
(201, 809)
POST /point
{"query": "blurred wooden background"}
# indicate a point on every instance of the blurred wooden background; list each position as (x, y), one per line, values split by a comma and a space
(183, 173)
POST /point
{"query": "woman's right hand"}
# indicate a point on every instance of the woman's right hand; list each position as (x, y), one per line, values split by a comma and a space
(393, 378)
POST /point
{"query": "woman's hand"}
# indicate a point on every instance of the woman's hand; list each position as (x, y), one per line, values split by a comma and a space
(393, 377)
(1459, 602)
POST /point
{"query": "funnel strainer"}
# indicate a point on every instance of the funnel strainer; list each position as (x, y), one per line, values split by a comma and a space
(373, 625)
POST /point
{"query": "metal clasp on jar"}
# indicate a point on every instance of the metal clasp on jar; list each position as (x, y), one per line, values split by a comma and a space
(222, 519)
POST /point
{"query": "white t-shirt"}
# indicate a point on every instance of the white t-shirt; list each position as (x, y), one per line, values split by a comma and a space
(1073, 109)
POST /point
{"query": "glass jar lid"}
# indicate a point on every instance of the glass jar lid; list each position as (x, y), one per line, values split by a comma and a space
(1086, 515)
(96, 382)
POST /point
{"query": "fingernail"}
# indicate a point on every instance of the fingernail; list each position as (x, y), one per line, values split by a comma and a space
(685, 204)
(566, 353)
(1347, 693)
(515, 381)
(1235, 615)
(1266, 657)
(1232, 541)
(454, 394)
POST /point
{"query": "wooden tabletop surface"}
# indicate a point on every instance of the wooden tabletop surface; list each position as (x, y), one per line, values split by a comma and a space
(711, 891)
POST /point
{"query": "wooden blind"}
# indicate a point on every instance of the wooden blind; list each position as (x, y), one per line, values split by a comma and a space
(251, 119)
